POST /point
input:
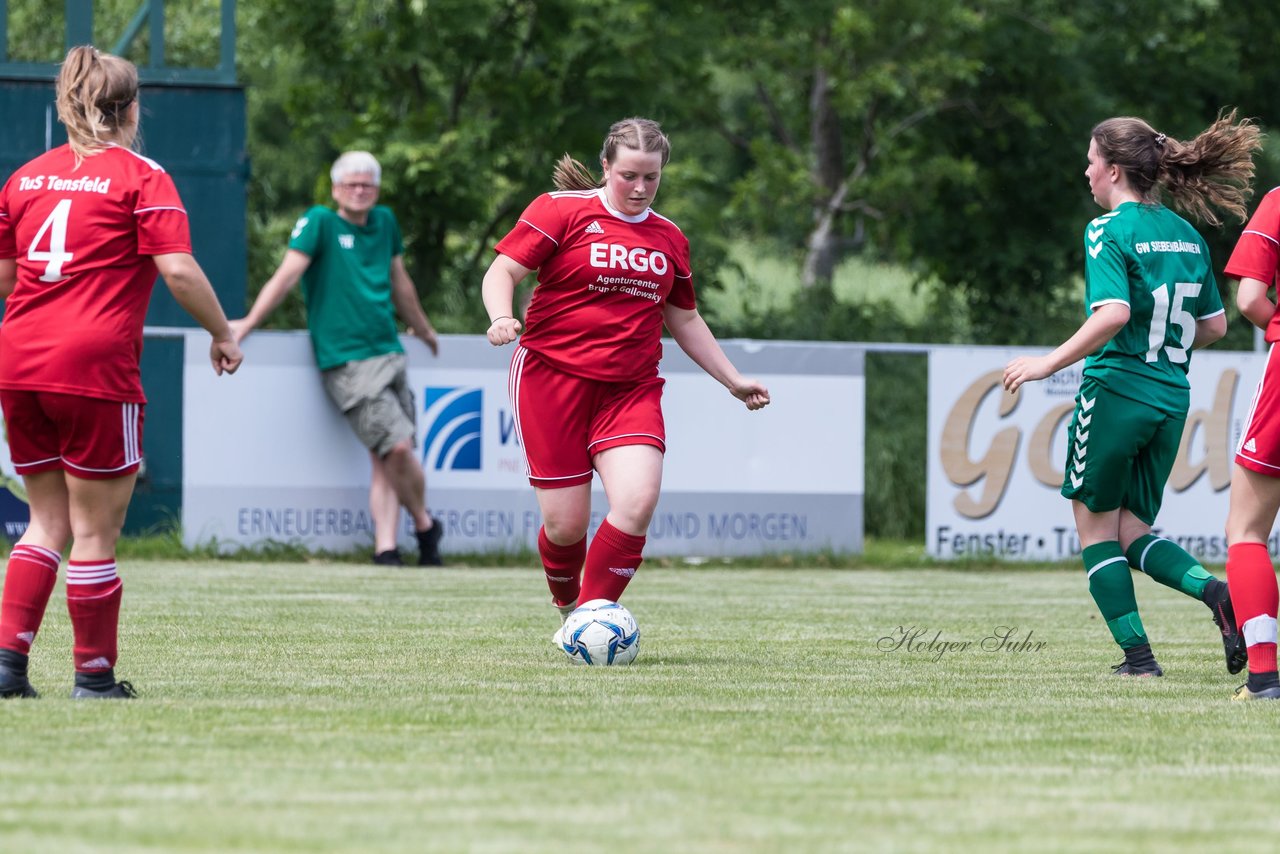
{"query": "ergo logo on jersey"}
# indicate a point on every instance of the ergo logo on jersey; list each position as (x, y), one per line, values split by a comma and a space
(614, 256)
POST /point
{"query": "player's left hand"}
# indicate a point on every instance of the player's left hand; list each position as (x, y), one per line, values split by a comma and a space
(1025, 369)
(427, 336)
(752, 393)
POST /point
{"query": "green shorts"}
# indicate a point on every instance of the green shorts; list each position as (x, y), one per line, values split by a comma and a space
(375, 397)
(1119, 452)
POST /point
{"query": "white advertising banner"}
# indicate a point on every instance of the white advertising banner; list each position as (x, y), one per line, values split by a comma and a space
(996, 460)
(268, 458)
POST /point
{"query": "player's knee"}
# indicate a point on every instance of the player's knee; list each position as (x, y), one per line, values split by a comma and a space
(566, 528)
(634, 512)
(400, 453)
(1245, 531)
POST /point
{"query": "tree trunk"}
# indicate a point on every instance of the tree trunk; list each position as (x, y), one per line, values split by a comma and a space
(823, 245)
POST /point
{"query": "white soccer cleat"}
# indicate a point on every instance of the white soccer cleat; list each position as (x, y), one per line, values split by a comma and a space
(565, 610)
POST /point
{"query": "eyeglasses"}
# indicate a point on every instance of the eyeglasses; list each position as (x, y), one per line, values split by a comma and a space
(359, 186)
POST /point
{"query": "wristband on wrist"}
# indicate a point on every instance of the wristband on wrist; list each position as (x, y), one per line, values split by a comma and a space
(501, 317)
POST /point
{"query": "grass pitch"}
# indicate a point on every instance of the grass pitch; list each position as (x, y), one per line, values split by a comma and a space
(331, 707)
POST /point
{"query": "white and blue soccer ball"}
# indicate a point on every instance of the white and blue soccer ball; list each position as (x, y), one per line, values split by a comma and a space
(600, 632)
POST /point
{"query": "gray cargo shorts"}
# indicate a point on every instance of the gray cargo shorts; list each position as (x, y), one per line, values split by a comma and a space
(375, 397)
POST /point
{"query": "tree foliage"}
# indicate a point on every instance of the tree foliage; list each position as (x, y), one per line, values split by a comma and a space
(946, 136)
(943, 135)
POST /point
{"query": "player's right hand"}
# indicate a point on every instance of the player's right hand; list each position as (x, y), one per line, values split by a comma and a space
(1025, 369)
(504, 330)
(226, 356)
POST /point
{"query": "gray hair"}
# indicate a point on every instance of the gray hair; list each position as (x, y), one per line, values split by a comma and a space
(355, 161)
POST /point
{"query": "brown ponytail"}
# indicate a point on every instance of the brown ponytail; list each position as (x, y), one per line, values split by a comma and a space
(1213, 170)
(635, 133)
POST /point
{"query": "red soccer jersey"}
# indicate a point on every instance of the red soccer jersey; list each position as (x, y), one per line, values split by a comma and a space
(83, 238)
(603, 280)
(1257, 251)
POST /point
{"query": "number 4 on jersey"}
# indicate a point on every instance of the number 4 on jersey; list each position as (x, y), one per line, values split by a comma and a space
(1164, 314)
(56, 227)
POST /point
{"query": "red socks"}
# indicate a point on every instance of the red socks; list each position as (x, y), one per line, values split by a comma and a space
(1254, 597)
(562, 566)
(28, 584)
(612, 560)
(93, 601)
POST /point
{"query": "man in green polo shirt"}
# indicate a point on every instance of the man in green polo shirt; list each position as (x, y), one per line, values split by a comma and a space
(351, 265)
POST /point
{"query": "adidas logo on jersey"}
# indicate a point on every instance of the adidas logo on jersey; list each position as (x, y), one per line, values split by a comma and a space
(1250, 447)
(595, 228)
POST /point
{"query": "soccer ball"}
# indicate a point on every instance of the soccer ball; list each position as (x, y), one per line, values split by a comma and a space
(600, 632)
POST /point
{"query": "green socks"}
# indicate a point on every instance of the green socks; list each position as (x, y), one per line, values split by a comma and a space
(1111, 586)
(1167, 563)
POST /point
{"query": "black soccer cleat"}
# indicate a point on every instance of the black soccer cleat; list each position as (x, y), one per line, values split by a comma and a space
(1224, 617)
(429, 544)
(117, 691)
(13, 675)
(391, 557)
(1125, 668)
(13, 684)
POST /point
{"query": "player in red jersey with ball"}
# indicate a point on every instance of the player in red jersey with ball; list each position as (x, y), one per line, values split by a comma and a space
(84, 228)
(584, 378)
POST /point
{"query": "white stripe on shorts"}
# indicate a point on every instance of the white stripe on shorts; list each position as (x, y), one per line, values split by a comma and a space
(513, 391)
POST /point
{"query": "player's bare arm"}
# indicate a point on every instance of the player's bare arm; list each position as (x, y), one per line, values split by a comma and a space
(8, 276)
(404, 296)
(1100, 328)
(1254, 304)
(499, 290)
(283, 280)
(1209, 330)
(191, 289)
(693, 335)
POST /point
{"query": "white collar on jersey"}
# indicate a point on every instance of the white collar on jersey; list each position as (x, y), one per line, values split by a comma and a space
(604, 200)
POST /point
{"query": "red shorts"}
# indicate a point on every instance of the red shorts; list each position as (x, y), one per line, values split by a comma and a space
(563, 420)
(1259, 448)
(87, 437)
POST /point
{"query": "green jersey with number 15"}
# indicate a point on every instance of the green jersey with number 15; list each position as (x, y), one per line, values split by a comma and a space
(1152, 260)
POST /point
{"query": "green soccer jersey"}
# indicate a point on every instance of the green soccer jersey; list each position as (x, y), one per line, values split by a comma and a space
(347, 287)
(1152, 260)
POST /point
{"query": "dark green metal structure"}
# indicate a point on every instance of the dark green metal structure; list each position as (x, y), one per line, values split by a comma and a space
(193, 124)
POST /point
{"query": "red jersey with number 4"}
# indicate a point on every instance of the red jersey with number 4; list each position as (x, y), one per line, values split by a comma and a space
(603, 280)
(1258, 251)
(83, 237)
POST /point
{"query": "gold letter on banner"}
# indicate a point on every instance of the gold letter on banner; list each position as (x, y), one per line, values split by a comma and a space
(1216, 423)
(1040, 451)
(996, 466)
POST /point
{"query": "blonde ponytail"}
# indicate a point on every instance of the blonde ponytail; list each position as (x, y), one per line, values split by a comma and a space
(95, 92)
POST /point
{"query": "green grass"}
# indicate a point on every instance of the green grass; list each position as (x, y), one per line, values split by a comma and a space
(340, 707)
